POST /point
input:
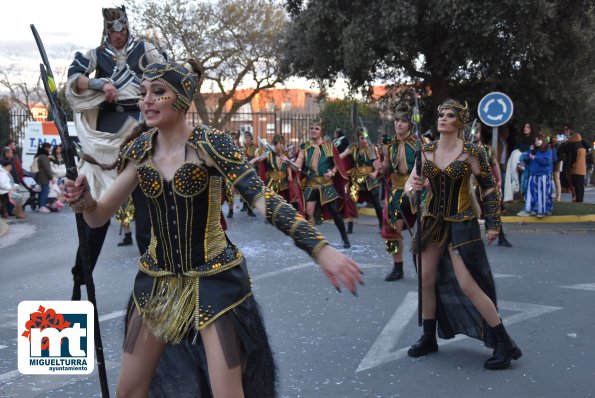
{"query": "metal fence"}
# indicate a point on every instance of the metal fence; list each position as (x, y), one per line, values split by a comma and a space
(12, 125)
(293, 126)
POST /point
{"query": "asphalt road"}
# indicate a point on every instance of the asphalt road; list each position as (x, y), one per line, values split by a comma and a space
(329, 344)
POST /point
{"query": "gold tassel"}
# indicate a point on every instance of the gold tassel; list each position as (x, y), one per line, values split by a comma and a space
(172, 310)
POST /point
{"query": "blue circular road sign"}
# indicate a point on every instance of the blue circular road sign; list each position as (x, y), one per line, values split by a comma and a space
(495, 109)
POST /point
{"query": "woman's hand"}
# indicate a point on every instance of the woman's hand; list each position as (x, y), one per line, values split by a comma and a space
(418, 183)
(78, 193)
(491, 235)
(329, 174)
(339, 269)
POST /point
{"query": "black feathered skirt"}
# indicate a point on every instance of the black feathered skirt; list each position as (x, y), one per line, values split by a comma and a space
(182, 370)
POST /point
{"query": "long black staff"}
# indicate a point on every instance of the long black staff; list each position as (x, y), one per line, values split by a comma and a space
(418, 143)
(71, 173)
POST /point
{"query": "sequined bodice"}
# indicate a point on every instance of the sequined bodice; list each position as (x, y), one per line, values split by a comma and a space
(450, 191)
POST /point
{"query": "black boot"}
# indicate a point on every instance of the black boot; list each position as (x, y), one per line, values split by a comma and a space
(396, 273)
(251, 213)
(505, 350)
(502, 241)
(244, 207)
(127, 241)
(230, 213)
(346, 243)
(427, 343)
(350, 227)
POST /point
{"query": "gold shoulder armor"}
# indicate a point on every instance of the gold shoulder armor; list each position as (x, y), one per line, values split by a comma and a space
(136, 150)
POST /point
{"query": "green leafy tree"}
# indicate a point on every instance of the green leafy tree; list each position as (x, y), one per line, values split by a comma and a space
(540, 52)
(237, 43)
(340, 114)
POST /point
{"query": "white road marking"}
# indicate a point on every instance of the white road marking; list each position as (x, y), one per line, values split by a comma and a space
(582, 286)
(380, 352)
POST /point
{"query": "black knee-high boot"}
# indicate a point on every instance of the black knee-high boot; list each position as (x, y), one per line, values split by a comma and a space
(502, 241)
(505, 350)
(340, 224)
(377, 208)
(427, 343)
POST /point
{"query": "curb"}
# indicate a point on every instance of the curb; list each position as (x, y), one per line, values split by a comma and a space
(364, 211)
(549, 219)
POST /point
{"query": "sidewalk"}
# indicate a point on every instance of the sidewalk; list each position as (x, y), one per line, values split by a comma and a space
(566, 197)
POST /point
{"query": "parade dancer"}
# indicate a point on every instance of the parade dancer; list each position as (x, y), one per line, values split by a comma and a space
(458, 291)
(495, 167)
(399, 160)
(364, 184)
(277, 174)
(105, 111)
(316, 160)
(251, 152)
(192, 281)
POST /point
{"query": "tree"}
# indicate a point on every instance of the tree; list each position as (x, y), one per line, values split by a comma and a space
(538, 51)
(338, 114)
(22, 92)
(237, 43)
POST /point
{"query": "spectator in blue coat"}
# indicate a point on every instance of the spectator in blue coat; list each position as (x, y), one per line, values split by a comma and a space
(538, 201)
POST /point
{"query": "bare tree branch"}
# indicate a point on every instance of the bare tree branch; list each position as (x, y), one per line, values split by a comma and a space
(237, 42)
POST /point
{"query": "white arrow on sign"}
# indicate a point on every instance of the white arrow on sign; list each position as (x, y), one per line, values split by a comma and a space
(499, 117)
(502, 104)
(486, 107)
(382, 351)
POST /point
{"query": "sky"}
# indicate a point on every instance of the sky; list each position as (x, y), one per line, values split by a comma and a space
(65, 26)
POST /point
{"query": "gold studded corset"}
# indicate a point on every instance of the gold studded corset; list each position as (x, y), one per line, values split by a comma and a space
(186, 236)
(450, 191)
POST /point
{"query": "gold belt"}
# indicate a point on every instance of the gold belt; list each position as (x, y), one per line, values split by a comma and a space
(277, 175)
(318, 181)
(361, 171)
(398, 180)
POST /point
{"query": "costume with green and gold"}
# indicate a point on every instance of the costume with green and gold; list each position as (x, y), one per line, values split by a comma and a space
(317, 181)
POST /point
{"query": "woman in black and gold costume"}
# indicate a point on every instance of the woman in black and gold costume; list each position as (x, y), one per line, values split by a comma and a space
(458, 288)
(192, 281)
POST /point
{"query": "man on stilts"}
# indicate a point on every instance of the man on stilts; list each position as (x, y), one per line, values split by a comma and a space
(105, 111)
